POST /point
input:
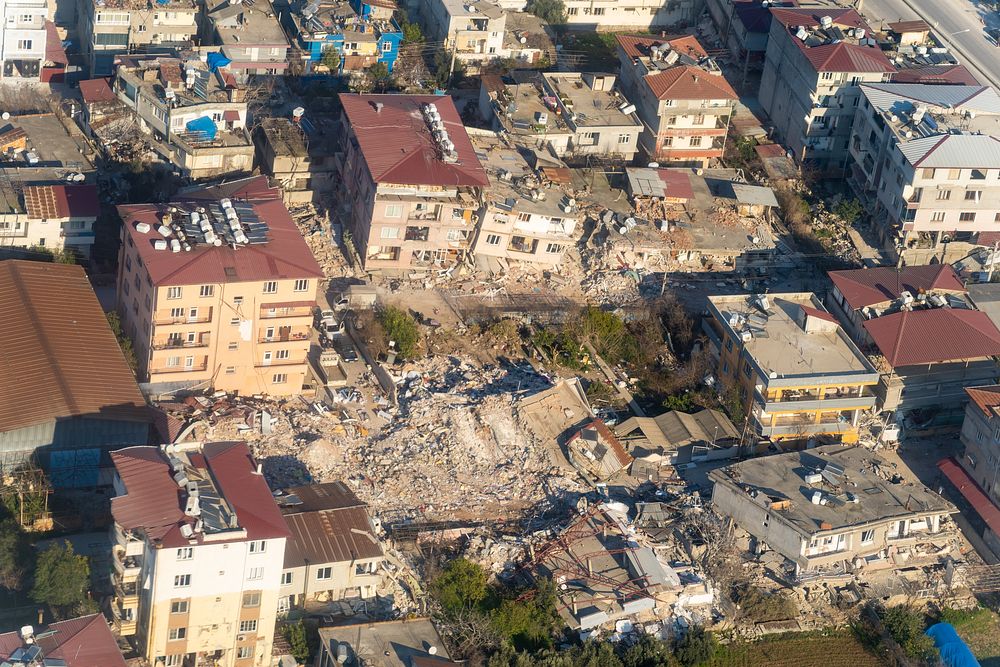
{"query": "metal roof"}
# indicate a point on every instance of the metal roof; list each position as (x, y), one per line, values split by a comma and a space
(53, 202)
(953, 151)
(649, 182)
(755, 195)
(687, 82)
(78, 642)
(976, 497)
(933, 336)
(60, 357)
(867, 287)
(979, 99)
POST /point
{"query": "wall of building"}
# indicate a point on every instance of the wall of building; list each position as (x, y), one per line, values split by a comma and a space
(23, 40)
(940, 386)
(344, 581)
(981, 458)
(502, 234)
(607, 15)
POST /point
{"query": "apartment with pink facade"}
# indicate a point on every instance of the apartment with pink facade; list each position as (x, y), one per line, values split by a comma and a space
(217, 290)
(414, 182)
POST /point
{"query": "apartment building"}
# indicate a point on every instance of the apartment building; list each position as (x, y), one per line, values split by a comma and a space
(197, 549)
(681, 96)
(110, 28)
(473, 30)
(578, 117)
(25, 39)
(360, 33)
(826, 511)
(301, 160)
(797, 373)
(608, 16)
(816, 60)
(332, 551)
(416, 183)
(196, 113)
(249, 35)
(217, 289)
(54, 217)
(926, 335)
(925, 161)
(525, 220)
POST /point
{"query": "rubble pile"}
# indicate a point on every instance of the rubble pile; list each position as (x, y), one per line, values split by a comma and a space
(316, 230)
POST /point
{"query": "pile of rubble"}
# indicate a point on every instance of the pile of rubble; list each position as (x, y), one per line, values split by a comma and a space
(319, 236)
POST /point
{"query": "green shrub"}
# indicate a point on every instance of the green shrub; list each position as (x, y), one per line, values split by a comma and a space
(399, 326)
(695, 647)
(461, 586)
(906, 626)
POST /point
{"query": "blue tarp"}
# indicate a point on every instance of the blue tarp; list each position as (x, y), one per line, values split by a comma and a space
(216, 60)
(203, 126)
(954, 652)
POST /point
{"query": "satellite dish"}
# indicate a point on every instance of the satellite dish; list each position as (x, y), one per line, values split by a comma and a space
(5, 115)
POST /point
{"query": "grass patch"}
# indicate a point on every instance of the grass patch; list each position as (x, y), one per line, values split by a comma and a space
(833, 648)
(980, 628)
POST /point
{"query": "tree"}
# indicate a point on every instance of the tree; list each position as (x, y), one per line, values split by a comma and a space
(124, 342)
(330, 58)
(412, 34)
(552, 12)
(529, 622)
(647, 652)
(379, 76)
(400, 327)
(694, 647)
(906, 626)
(13, 556)
(848, 210)
(461, 586)
(62, 578)
(298, 641)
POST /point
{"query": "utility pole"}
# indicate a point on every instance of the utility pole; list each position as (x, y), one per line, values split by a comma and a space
(993, 260)
(454, 53)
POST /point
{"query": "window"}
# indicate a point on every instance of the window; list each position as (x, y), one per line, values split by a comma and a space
(179, 607)
(185, 553)
(954, 174)
(279, 378)
(251, 599)
(827, 76)
(301, 285)
(695, 142)
(174, 292)
(244, 652)
(233, 347)
(598, 11)
(937, 216)
(746, 368)
(235, 321)
(967, 216)
(286, 578)
(206, 290)
(390, 232)
(177, 633)
(182, 580)
(927, 174)
(668, 142)
(281, 354)
(174, 660)
(553, 248)
(944, 195)
(393, 211)
(572, 11)
(237, 301)
(173, 362)
(176, 313)
(24, 44)
(671, 120)
(624, 138)
(270, 287)
(867, 536)
(386, 47)
(492, 239)
(699, 119)
(324, 573)
(259, 546)
(973, 195)
(188, 362)
(230, 370)
(248, 626)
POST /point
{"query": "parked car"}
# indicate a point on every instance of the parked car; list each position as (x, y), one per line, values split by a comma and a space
(345, 348)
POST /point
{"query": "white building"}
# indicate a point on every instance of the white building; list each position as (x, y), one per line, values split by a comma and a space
(24, 38)
(198, 545)
(475, 30)
(611, 15)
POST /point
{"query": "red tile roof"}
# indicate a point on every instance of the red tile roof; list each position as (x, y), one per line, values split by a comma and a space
(933, 336)
(637, 46)
(60, 357)
(284, 256)
(53, 202)
(986, 398)
(971, 492)
(866, 287)
(689, 83)
(816, 312)
(152, 500)
(397, 145)
(97, 90)
(834, 57)
(936, 74)
(78, 642)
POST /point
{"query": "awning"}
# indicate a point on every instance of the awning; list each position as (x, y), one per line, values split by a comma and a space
(230, 115)
(980, 502)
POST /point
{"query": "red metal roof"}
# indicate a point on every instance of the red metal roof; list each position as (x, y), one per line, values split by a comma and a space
(986, 398)
(97, 90)
(915, 25)
(54, 51)
(53, 202)
(932, 336)
(816, 312)
(839, 56)
(637, 46)
(677, 182)
(689, 83)
(397, 145)
(78, 642)
(230, 115)
(866, 287)
(152, 500)
(284, 256)
(60, 357)
(936, 74)
(971, 492)
(770, 150)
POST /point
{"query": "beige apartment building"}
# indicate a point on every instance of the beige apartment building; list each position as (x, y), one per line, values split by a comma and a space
(217, 289)
(197, 549)
(110, 28)
(926, 164)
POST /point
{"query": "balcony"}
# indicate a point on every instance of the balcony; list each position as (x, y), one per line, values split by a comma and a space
(522, 244)
(272, 363)
(424, 215)
(123, 619)
(194, 368)
(285, 311)
(199, 317)
(127, 568)
(179, 343)
(284, 337)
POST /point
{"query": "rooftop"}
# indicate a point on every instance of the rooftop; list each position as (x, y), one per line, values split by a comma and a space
(268, 246)
(916, 111)
(68, 356)
(195, 494)
(678, 68)
(328, 523)
(405, 643)
(868, 287)
(313, 135)
(401, 145)
(97, 90)
(48, 142)
(590, 99)
(779, 344)
(78, 642)
(934, 335)
(912, 71)
(180, 83)
(854, 492)
(320, 18)
(143, 5)
(241, 24)
(986, 398)
(477, 9)
(834, 39)
(675, 429)
(54, 202)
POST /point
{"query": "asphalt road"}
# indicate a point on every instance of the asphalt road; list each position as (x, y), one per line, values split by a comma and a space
(959, 23)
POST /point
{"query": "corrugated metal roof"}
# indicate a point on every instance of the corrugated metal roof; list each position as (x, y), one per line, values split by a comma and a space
(938, 74)
(833, 56)
(97, 90)
(953, 151)
(397, 145)
(649, 182)
(637, 46)
(981, 99)
(60, 357)
(933, 336)
(971, 492)
(866, 287)
(330, 536)
(49, 202)
(755, 195)
(284, 256)
(78, 642)
(915, 25)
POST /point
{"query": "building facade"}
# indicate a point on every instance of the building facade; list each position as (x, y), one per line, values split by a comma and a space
(816, 59)
(110, 29)
(235, 316)
(606, 16)
(473, 30)
(681, 96)
(197, 544)
(249, 36)
(361, 34)
(25, 39)
(798, 375)
(301, 160)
